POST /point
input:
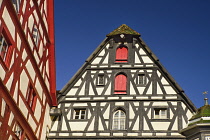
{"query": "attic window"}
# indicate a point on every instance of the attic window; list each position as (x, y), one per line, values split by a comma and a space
(141, 79)
(80, 114)
(160, 113)
(100, 80)
(122, 54)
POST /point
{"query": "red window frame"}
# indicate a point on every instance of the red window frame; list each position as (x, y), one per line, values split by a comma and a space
(31, 97)
(121, 54)
(120, 84)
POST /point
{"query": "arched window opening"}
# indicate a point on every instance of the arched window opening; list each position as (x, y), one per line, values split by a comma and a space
(119, 120)
(120, 84)
(122, 54)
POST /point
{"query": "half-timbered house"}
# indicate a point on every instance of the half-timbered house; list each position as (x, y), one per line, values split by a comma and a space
(121, 92)
(27, 68)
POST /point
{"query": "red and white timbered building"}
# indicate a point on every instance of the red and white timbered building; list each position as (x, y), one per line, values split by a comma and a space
(27, 68)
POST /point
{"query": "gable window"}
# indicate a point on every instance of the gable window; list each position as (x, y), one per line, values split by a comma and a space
(100, 80)
(80, 114)
(122, 54)
(16, 4)
(141, 79)
(3, 47)
(119, 120)
(120, 84)
(31, 97)
(36, 36)
(160, 113)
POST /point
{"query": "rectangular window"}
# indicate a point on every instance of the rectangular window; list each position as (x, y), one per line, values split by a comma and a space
(36, 36)
(100, 80)
(16, 4)
(80, 114)
(141, 79)
(3, 47)
(31, 97)
(160, 113)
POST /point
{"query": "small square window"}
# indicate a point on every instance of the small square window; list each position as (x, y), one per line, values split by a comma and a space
(141, 79)
(3, 47)
(160, 113)
(79, 114)
(100, 80)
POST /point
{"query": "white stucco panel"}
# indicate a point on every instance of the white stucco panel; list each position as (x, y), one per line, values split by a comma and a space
(8, 21)
(39, 88)
(169, 90)
(160, 125)
(2, 72)
(23, 80)
(137, 60)
(18, 42)
(146, 59)
(30, 69)
(96, 60)
(23, 107)
(142, 52)
(9, 82)
(78, 126)
(38, 110)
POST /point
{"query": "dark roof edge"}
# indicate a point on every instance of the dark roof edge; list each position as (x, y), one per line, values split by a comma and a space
(173, 81)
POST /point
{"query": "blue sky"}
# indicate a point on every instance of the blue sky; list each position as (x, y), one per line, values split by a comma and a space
(177, 31)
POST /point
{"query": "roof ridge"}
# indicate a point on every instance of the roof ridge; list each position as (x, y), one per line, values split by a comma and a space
(123, 29)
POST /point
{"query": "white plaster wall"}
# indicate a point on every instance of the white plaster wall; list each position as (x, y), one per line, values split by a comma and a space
(96, 60)
(38, 110)
(9, 82)
(39, 88)
(23, 80)
(18, 42)
(146, 59)
(169, 90)
(32, 123)
(30, 22)
(30, 69)
(8, 21)
(160, 125)
(2, 72)
(23, 107)
(78, 126)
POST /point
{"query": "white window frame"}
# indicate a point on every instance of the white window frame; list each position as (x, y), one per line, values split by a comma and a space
(119, 118)
(81, 115)
(160, 113)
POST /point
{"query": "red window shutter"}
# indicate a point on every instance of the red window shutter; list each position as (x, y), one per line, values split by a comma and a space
(122, 54)
(120, 84)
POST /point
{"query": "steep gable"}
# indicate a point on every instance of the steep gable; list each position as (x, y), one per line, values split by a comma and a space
(138, 87)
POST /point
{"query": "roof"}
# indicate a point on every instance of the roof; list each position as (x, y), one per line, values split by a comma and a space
(123, 29)
(204, 111)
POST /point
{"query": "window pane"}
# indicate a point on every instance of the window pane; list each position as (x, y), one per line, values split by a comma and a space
(119, 120)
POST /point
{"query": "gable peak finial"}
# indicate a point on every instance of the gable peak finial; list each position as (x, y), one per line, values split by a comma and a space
(205, 98)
